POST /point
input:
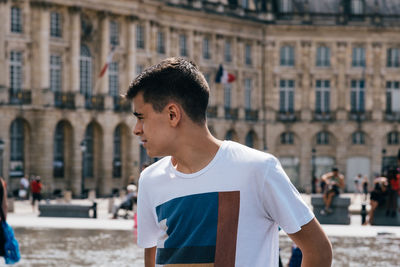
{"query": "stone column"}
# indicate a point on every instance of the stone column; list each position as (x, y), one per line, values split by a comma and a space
(105, 178)
(306, 91)
(341, 81)
(105, 48)
(377, 105)
(131, 60)
(44, 48)
(75, 47)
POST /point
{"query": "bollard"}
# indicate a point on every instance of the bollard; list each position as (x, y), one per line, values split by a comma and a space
(94, 210)
(363, 213)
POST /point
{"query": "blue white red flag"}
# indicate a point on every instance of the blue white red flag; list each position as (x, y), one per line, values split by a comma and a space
(223, 76)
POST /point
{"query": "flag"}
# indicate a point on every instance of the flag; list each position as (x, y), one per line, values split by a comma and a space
(223, 76)
(108, 62)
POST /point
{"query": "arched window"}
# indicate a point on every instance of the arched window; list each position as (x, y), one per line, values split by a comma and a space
(287, 138)
(250, 139)
(229, 135)
(85, 71)
(58, 160)
(323, 138)
(17, 148)
(88, 154)
(358, 138)
(393, 138)
(287, 56)
(117, 159)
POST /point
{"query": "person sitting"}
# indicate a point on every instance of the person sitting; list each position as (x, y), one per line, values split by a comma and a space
(129, 201)
(377, 197)
(334, 181)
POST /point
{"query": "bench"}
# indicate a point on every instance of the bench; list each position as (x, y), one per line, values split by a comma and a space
(68, 210)
(380, 217)
(340, 206)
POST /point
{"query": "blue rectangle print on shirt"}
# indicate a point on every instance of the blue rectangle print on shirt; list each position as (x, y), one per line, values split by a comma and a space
(191, 228)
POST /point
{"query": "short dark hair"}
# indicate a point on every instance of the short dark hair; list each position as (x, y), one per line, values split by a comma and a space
(174, 79)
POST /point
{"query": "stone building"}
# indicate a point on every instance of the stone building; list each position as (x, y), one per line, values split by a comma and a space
(317, 83)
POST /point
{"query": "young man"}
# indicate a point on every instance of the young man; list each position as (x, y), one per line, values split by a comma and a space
(210, 202)
(334, 181)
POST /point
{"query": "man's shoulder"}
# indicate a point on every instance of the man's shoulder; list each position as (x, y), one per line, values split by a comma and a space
(247, 155)
(155, 169)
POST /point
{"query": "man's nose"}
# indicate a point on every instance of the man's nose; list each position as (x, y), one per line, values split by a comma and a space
(138, 130)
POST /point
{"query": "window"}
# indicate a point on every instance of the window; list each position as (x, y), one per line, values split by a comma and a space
(140, 36)
(358, 138)
(113, 81)
(16, 20)
(323, 138)
(285, 6)
(392, 96)
(248, 54)
(58, 160)
(357, 7)
(250, 139)
(55, 24)
(89, 152)
(358, 57)
(114, 33)
(227, 95)
(247, 93)
(245, 4)
(160, 43)
(357, 96)
(117, 162)
(393, 138)
(183, 45)
(287, 138)
(393, 58)
(15, 71)
(323, 56)
(139, 69)
(17, 148)
(322, 96)
(55, 73)
(286, 96)
(206, 48)
(85, 72)
(287, 56)
(228, 52)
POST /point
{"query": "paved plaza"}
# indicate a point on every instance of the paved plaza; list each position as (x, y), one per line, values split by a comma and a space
(24, 217)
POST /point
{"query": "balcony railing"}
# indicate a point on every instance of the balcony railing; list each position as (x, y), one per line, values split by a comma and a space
(323, 116)
(64, 100)
(287, 116)
(121, 104)
(212, 112)
(95, 102)
(392, 116)
(20, 97)
(251, 115)
(359, 116)
(231, 113)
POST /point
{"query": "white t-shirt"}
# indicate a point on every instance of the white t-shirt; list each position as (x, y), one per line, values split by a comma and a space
(228, 212)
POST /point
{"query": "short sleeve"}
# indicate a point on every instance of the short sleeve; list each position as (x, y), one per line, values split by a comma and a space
(282, 202)
(147, 224)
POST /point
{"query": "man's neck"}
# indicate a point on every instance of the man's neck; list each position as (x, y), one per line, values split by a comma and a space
(195, 152)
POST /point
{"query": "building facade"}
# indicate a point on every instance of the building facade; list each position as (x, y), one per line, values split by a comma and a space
(317, 83)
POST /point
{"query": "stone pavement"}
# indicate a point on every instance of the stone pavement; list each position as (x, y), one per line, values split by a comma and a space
(24, 217)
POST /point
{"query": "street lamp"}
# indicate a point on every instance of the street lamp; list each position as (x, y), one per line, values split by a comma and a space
(1, 157)
(313, 178)
(83, 149)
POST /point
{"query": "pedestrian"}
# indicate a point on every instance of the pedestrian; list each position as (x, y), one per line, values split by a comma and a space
(36, 189)
(23, 188)
(377, 197)
(365, 187)
(3, 206)
(129, 201)
(207, 200)
(334, 181)
(357, 183)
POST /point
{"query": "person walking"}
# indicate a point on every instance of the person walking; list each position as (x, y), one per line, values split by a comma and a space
(36, 189)
(208, 200)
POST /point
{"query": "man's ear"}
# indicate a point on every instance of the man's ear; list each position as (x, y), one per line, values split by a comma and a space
(174, 113)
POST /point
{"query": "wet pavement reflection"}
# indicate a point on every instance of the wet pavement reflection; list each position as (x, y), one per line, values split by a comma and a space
(71, 247)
